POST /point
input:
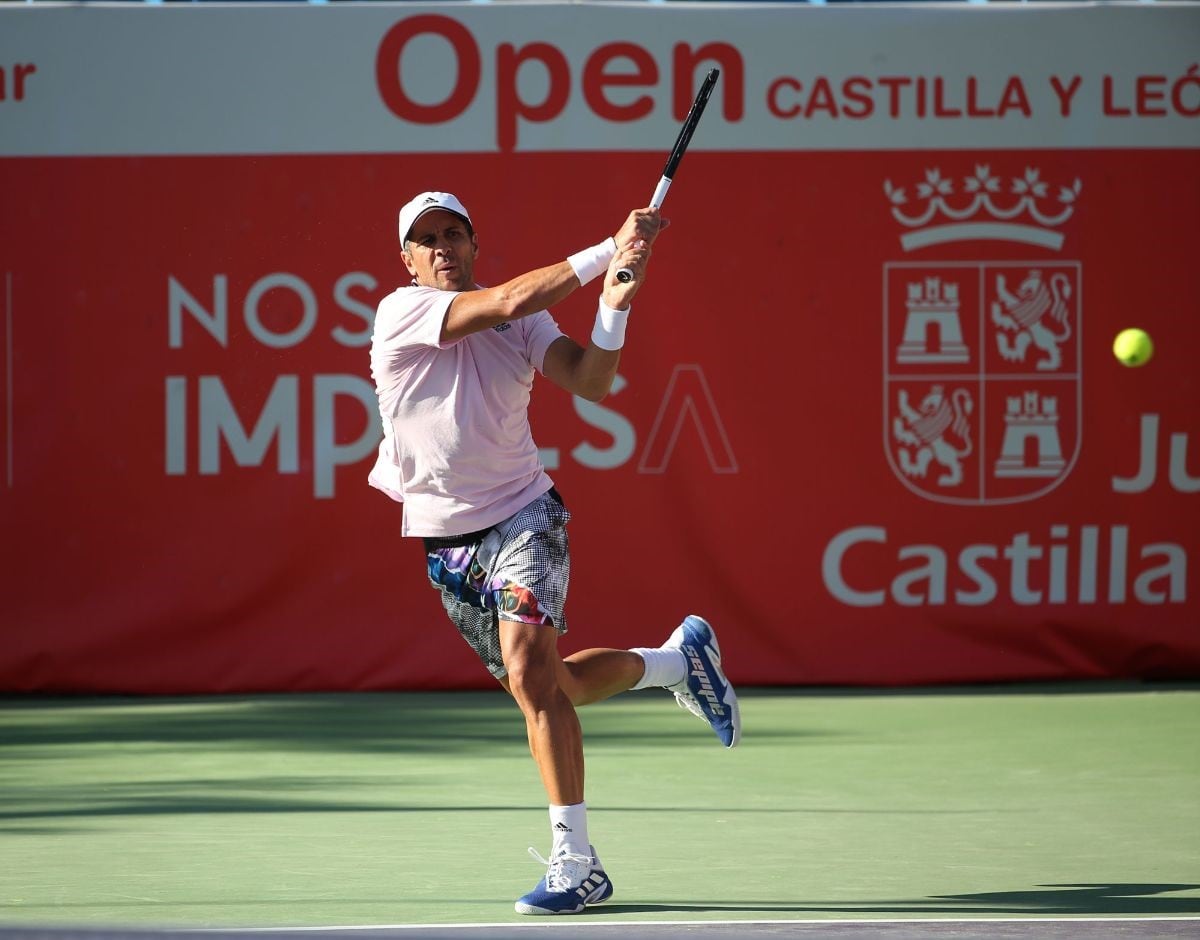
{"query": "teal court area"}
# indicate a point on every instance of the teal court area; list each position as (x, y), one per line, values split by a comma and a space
(928, 812)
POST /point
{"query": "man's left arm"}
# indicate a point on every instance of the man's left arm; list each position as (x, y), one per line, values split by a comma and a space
(588, 371)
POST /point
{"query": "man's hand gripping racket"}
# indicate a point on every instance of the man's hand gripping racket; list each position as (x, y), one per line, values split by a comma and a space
(625, 275)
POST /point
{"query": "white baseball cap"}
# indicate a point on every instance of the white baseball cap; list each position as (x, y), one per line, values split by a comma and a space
(424, 202)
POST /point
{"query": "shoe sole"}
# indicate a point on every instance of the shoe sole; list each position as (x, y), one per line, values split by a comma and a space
(541, 911)
(730, 701)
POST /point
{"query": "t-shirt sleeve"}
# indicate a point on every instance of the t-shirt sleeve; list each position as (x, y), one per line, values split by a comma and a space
(540, 331)
(411, 317)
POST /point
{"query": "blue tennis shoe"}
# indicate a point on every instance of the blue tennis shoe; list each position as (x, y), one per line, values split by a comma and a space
(570, 884)
(705, 691)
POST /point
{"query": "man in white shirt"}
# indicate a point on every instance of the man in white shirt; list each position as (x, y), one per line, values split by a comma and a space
(453, 365)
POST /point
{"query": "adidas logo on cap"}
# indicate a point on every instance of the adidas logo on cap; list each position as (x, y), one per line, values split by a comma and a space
(422, 203)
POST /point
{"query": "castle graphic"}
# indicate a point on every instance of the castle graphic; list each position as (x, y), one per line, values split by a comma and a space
(982, 359)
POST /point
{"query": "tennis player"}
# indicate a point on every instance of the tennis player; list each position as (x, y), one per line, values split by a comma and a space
(453, 364)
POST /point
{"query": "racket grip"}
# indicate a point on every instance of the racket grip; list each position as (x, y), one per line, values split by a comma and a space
(625, 275)
(660, 193)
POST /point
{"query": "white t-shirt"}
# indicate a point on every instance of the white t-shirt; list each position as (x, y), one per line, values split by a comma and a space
(457, 449)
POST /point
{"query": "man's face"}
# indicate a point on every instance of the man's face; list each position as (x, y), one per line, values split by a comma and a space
(440, 252)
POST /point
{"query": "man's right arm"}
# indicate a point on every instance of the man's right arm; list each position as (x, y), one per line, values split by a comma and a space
(475, 310)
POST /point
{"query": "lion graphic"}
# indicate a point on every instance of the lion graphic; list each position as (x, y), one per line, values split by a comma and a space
(924, 429)
(1025, 314)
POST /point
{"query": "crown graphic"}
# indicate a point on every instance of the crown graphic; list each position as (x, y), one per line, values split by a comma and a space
(983, 208)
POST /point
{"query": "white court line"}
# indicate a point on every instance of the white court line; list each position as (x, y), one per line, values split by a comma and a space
(593, 921)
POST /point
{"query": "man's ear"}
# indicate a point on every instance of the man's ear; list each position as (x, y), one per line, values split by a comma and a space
(408, 262)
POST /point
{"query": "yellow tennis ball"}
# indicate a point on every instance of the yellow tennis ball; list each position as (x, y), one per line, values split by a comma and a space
(1133, 347)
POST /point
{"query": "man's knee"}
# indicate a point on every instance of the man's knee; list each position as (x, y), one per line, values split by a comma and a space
(532, 664)
(531, 678)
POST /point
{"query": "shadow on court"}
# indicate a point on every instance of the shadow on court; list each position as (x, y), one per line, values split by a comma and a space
(198, 797)
(359, 722)
(1145, 900)
(323, 725)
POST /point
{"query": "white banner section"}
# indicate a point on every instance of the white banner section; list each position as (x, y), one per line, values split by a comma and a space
(416, 78)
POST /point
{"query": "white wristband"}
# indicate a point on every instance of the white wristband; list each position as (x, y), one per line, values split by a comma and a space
(590, 263)
(609, 331)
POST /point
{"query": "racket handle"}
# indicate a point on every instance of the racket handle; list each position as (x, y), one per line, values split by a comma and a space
(660, 193)
(625, 275)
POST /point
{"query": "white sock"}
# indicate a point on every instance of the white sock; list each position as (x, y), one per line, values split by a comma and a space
(569, 827)
(664, 667)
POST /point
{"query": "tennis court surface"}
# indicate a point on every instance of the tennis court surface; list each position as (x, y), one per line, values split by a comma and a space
(1032, 811)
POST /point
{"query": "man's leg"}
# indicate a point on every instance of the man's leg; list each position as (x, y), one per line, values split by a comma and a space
(689, 664)
(555, 739)
(547, 689)
(596, 674)
(574, 876)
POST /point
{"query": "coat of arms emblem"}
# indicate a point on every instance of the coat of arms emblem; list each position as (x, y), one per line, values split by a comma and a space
(983, 377)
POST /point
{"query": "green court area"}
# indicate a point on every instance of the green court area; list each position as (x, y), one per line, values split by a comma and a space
(417, 808)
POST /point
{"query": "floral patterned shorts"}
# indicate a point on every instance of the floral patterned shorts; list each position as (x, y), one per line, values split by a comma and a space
(517, 570)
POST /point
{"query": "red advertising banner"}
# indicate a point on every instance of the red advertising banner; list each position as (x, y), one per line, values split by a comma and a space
(867, 421)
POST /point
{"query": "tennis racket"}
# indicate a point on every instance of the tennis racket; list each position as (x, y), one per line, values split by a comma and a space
(625, 275)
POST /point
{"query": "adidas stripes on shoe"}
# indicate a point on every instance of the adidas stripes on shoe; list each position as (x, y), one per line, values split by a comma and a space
(570, 884)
